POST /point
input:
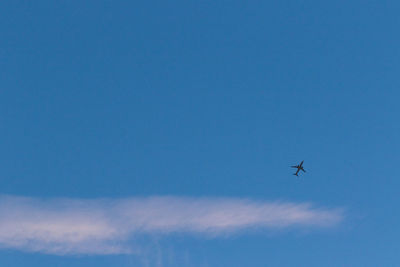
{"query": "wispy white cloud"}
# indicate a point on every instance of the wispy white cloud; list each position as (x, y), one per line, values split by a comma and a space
(105, 226)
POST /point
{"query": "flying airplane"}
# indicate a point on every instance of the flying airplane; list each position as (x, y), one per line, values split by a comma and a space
(299, 167)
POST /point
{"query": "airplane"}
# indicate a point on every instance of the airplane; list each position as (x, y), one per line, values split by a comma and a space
(299, 167)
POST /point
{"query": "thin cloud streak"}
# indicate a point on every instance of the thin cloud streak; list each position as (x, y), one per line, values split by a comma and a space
(106, 226)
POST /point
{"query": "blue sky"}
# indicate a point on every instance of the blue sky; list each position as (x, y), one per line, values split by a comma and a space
(167, 128)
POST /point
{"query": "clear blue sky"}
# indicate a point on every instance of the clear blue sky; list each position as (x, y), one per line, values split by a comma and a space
(117, 99)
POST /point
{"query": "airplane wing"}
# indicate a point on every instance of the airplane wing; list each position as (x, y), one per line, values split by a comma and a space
(294, 166)
(302, 169)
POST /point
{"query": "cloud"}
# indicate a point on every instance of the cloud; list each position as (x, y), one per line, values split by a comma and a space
(106, 226)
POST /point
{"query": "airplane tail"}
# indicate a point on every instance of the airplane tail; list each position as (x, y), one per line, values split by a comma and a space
(295, 174)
